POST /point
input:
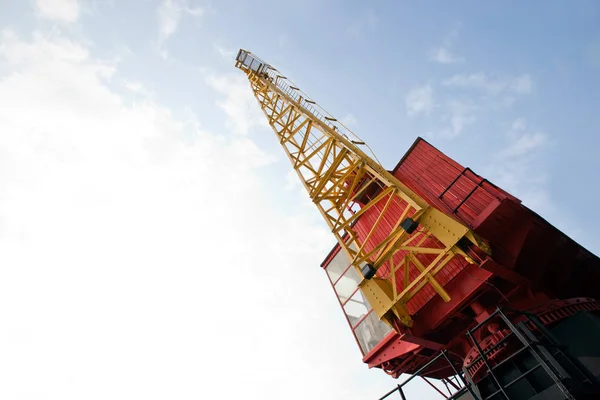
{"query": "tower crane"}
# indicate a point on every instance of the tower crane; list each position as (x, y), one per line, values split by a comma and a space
(437, 264)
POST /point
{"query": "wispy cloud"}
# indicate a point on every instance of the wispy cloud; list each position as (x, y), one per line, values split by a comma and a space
(365, 22)
(443, 55)
(420, 100)
(283, 40)
(525, 144)
(61, 10)
(137, 88)
(170, 12)
(492, 84)
(349, 121)
(519, 166)
(239, 104)
(460, 114)
(224, 52)
(523, 140)
(292, 181)
(472, 94)
(522, 84)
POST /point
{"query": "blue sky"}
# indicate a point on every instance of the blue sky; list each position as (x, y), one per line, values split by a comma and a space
(156, 244)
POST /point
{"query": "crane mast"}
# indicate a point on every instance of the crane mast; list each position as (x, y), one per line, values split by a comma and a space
(344, 182)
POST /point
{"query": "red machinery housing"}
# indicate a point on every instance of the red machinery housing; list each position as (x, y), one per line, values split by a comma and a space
(533, 266)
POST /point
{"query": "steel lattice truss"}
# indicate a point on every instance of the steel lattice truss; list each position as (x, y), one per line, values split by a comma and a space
(345, 183)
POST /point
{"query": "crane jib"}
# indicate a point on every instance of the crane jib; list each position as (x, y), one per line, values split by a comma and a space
(346, 183)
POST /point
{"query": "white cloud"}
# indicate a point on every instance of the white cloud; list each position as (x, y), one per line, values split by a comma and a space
(292, 181)
(460, 114)
(61, 10)
(443, 55)
(494, 85)
(519, 167)
(420, 100)
(241, 107)
(522, 141)
(483, 92)
(367, 21)
(525, 144)
(349, 121)
(169, 14)
(456, 115)
(137, 88)
(518, 125)
(164, 54)
(225, 53)
(283, 40)
(521, 84)
(142, 256)
(525, 179)
(195, 11)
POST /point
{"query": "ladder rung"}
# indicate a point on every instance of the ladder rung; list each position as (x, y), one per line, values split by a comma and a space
(529, 371)
(513, 355)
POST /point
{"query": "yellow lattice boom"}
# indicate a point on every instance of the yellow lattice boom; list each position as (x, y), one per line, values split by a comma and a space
(338, 174)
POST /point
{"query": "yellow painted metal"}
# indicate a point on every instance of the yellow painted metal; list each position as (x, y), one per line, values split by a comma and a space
(336, 173)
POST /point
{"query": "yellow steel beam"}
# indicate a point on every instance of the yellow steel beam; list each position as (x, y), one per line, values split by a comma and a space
(336, 172)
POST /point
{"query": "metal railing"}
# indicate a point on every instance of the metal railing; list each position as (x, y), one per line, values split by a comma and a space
(550, 357)
(460, 390)
(549, 354)
(251, 61)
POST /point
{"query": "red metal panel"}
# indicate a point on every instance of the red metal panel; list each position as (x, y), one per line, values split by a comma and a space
(447, 185)
(392, 346)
